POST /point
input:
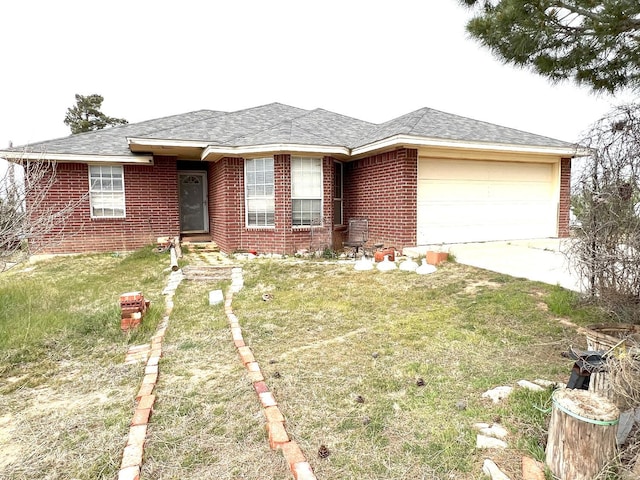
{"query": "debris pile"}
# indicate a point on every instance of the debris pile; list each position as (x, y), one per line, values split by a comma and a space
(133, 306)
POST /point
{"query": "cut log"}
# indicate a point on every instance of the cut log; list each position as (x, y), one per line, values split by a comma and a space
(176, 245)
(174, 259)
(582, 434)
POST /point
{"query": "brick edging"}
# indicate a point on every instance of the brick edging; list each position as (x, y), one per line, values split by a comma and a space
(275, 421)
(131, 464)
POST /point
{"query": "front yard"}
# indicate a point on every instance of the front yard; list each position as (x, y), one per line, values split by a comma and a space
(384, 369)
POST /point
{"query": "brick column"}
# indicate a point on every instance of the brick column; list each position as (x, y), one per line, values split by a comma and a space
(565, 198)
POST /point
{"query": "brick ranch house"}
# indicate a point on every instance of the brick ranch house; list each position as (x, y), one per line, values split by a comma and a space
(277, 179)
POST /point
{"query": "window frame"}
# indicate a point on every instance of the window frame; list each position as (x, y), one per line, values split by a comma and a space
(302, 197)
(267, 198)
(115, 203)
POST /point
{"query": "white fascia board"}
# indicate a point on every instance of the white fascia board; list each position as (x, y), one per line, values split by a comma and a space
(435, 142)
(158, 142)
(219, 151)
(76, 158)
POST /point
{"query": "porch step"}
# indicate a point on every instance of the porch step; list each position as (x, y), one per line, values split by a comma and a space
(204, 246)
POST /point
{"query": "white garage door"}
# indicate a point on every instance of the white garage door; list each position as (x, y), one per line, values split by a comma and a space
(471, 201)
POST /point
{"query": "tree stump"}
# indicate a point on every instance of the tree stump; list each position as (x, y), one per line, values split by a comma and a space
(582, 434)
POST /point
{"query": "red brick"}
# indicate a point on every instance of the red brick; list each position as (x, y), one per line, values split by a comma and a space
(273, 414)
(246, 355)
(277, 434)
(141, 416)
(292, 454)
(302, 471)
(129, 473)
(132, 456)
(137, 435)
(145, 389)
(146, 401)
(260, 387)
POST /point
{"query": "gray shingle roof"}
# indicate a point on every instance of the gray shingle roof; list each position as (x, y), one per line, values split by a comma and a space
(431, 123)
(283, 124)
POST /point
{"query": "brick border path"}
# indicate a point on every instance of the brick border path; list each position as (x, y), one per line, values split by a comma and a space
(278, 437)
(133, 451)
(275, 422)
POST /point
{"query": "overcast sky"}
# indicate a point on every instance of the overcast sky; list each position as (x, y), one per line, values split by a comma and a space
(372, 60)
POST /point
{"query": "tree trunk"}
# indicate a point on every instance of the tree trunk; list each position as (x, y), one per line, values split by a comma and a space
(582, 434)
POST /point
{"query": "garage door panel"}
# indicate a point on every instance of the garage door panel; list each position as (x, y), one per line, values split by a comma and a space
(462, 200)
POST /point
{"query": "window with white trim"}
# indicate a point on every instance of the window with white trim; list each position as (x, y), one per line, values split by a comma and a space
(306, 191)
(260, 200)
(106, 191)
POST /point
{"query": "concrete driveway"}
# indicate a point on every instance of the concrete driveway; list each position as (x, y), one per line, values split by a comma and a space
(542, 260)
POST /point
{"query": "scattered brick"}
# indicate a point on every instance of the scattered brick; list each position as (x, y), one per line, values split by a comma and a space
(153, 360)
(151, 369)
(239, 343)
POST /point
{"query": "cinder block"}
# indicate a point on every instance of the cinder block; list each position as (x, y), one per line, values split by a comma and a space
(215, 297)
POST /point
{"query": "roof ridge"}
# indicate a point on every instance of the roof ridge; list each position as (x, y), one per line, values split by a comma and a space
(255, 132)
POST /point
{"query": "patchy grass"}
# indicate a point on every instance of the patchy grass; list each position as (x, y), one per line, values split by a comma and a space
(331, 335)
(66, 398)
(375, 366)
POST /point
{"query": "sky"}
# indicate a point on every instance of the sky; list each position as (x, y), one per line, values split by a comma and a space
(373, 60)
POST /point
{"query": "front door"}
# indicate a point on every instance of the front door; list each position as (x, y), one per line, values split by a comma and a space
(194, 211)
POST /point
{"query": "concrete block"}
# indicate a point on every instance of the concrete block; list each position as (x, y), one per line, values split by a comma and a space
(215, 297)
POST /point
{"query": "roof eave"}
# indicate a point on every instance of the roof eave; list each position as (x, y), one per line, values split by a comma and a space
(216, 152)
(76, 158)
(408, 140)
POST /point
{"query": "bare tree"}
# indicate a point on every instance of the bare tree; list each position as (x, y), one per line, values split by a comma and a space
(606, 201)
(27, 218)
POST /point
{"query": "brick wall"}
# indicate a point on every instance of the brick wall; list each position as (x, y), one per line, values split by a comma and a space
(565, 198)
(151, 197)
(227, 210)
(383, 188)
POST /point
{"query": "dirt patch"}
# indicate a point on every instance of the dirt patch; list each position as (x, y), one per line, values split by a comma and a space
(474, 287)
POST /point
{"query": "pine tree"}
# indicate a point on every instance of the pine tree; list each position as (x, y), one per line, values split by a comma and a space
(595, 43)
(85, 115)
